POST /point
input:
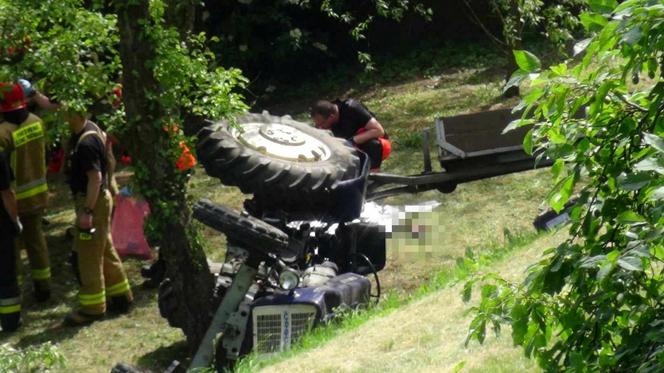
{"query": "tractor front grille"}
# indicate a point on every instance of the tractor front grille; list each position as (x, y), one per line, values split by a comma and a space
(275, 328)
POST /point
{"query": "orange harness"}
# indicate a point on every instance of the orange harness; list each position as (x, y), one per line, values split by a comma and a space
(386, 144)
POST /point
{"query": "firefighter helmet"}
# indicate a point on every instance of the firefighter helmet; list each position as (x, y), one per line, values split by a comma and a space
(11, 97)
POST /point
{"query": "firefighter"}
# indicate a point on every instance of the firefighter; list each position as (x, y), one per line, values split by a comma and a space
(100, 272)
(22, 134)
(36, 99)
(351, 120)
(10, 227)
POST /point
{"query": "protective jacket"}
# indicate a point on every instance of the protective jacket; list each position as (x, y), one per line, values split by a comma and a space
(27, 144)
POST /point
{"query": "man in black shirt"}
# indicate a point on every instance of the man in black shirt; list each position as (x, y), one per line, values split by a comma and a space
(351, 120)
(101, 274)
(10, 227)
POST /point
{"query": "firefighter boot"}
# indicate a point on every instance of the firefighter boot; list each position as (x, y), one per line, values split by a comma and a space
(80, 318)
(10, 321)
(42, 291)
(10, 293)
(119, 305)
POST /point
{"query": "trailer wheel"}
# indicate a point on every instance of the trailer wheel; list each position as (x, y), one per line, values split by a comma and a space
(446, 188)
(276, 158)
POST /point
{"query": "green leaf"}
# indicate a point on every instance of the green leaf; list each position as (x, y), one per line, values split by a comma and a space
(459, 366)
(592, 21)
(625, 7)
(629, 217)
(528, 142)
(467, 291)
(634, 181)
(655, 141)
(658, 252)
(561, 193)
(527, 61)
(632, 36)
(604, 271)
(651, 164)
(658, 194)
(519, 317)
(488, 290)
(602, 6)
(593, 261)
(560, 69)
(515, 80)
(631, 263)
(557, 169)
(555, 136)
(613, 256)
(581, 46)
(516, 124)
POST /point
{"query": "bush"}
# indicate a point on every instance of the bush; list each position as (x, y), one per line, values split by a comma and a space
(594, 303)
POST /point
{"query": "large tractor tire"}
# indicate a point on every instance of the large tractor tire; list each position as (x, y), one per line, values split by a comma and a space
(278, 159)
(247, 231)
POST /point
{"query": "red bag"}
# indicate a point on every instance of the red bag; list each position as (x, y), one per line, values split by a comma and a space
(127, 227)
(56, 161)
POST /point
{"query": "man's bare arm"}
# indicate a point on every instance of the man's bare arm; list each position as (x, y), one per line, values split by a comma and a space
(94, 184)
(44, 102)
(374, 130)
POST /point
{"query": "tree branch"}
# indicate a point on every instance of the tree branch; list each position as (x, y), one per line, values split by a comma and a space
(475, 19)
(630, 104)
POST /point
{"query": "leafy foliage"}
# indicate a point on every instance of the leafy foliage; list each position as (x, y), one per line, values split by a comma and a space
(62, 47)
(70, 51)
(309, 29)
(360, 21)
(64, 50)
(595, 302)
(189, 76)
(41, 358)
(556, 20)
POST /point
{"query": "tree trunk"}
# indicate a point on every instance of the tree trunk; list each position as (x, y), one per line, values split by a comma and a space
(159, 181)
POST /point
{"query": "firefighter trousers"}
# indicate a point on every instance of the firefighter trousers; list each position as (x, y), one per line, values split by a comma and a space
(34, 242)
(100, 270)
(10, 297)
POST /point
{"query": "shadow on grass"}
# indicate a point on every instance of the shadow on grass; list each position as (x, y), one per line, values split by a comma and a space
(161, 358)
(54, 335)
(486, 74)
(143, 296)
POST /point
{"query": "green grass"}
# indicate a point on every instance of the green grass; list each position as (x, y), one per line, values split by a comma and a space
(433, 63)
(406, 97)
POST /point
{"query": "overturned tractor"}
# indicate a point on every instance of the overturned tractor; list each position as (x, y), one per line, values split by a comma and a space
(299, 254)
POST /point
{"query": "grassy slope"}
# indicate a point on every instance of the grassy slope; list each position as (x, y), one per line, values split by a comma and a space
(477, 215)
(426, 335)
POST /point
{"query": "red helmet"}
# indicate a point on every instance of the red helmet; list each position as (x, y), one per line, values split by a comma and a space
(11, 97)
